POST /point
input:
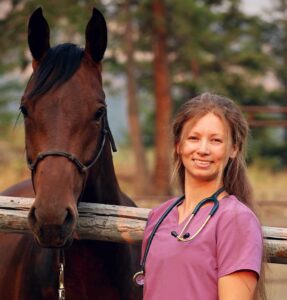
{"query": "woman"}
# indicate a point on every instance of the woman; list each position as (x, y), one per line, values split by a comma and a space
(205, 258)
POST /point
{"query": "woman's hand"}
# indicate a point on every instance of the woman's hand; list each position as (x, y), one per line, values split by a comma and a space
(239, 285)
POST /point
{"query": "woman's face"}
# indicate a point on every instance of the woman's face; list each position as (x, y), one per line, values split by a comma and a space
(205, 148)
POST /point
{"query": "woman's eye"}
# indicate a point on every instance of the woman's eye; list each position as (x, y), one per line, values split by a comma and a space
(217, 141)
(193, 138)
(24, 110)
(99, 113)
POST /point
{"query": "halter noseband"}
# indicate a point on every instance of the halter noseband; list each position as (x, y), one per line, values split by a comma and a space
(105, 131)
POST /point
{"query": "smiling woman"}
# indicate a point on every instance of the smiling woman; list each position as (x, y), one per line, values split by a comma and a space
(205, 148)
(219, 246)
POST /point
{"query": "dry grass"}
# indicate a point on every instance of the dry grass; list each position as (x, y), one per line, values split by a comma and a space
(12, 158)
(268, 185)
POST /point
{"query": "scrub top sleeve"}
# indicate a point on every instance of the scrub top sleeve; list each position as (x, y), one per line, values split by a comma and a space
(239, 243)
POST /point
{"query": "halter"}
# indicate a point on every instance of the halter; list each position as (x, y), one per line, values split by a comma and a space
(61, 263)
(82, 168)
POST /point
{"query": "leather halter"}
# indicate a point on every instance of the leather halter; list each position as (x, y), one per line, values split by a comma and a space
(82, 168)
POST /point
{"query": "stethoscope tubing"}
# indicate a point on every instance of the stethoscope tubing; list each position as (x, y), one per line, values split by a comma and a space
(180, 237)
(177, 201)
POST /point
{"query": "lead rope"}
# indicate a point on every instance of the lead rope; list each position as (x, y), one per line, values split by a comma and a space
(61, 290)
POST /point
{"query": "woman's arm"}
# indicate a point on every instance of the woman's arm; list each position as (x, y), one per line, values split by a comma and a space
(239, 285)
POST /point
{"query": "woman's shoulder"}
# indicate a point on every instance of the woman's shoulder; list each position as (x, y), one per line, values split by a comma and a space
(232, 202)
(232, 208)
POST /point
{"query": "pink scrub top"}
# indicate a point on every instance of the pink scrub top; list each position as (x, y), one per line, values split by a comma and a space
(231, 241)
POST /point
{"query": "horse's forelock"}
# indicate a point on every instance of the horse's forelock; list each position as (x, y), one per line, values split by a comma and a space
(59, 65)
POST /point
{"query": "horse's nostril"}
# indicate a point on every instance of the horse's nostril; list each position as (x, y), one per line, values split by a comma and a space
(69, 220)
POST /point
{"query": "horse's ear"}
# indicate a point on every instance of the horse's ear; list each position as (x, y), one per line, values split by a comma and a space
(96, 36)
(38, 35)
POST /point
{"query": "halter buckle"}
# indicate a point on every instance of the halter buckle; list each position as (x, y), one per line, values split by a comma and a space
(61, 290)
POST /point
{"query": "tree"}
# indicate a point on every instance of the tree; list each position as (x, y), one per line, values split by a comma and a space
(141, 170)
(276, 38)
(163, 101)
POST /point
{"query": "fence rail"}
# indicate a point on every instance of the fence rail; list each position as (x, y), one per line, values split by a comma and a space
(266, 116)
(119, 224)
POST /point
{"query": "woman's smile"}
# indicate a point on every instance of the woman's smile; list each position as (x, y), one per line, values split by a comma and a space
(205, 148)
(203, 164)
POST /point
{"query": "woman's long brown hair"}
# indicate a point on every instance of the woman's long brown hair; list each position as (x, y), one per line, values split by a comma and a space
(234, 178)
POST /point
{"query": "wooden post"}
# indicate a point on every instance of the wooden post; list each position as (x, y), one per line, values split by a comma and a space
(118, 224)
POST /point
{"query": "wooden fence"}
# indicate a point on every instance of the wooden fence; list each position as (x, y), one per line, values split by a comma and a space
(119, 224)
(266, 116)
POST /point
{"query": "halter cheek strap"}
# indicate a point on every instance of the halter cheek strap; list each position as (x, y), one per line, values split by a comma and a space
(81, 167)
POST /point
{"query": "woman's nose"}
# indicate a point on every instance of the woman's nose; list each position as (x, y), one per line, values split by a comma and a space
(203, 147)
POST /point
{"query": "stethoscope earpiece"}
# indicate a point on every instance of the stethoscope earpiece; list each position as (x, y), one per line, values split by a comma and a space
(173, 233)
(186, 235)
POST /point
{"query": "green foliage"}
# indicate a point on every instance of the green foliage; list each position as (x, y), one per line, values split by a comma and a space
(268, 146)
(212, 46)
(10, 91)
(220, 50)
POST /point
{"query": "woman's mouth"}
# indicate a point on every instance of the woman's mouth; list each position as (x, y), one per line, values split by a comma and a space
(202, 163)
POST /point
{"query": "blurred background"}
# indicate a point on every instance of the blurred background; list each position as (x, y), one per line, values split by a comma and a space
(161, 53)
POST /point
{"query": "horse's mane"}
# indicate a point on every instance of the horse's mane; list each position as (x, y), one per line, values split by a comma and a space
(58, 65)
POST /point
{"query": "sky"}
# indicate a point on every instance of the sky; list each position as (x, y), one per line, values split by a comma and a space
(250, 6)
(255, 6)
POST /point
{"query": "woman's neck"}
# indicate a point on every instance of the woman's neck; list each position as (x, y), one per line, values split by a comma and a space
(196, 191)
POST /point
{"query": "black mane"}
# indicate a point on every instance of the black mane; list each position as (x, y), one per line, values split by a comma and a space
(59, 64)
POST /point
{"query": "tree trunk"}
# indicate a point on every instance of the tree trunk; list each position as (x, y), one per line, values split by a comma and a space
(141, 176)
(195, 69)
(163, 102)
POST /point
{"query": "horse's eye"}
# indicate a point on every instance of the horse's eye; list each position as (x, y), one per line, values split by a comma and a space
(29, 160)
(99, 113)
(24, 110)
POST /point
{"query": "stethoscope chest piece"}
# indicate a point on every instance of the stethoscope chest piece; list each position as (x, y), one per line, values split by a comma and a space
(139, 278)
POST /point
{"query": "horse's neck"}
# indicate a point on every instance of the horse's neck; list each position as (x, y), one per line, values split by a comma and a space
(102, 185)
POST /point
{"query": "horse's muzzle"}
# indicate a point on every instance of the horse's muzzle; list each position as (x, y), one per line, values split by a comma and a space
(51, 235)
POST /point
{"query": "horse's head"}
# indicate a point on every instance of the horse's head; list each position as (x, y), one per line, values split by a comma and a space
(65, 125)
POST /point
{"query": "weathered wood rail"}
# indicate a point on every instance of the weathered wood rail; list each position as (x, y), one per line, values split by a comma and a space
(118, 224)
(273, 116)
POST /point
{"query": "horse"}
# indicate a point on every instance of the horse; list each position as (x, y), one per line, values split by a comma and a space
(69, 147)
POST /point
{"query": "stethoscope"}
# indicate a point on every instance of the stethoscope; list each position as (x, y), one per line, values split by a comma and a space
(181, 237)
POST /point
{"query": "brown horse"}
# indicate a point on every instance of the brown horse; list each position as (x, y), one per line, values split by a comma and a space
(68, 146)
